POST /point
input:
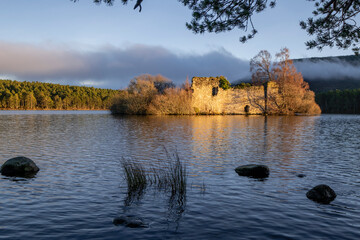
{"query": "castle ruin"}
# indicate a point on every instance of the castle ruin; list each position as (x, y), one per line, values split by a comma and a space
(209, 98)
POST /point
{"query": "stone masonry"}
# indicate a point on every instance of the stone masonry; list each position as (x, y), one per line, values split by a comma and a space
(209, 98)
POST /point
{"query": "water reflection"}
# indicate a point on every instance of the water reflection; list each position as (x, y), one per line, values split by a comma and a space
(81, 187)
(131, 197)
(17, 179)
(224, 139)
(213, 142)
(176, 209)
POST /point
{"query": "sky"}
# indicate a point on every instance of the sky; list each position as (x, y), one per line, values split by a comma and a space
(104, 46)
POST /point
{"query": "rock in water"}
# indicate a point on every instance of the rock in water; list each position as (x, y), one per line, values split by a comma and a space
(120, 220)
(19, 167)
(135, 223)
(128, 221)
(321, 194)
(253, 170)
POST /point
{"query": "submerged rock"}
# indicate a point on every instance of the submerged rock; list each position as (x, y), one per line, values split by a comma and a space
(321, 194)
(253, 170)
(135, 223)
(120, 220)
(131, 222)
(19, 167)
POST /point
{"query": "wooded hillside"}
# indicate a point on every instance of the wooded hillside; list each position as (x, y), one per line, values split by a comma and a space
(37, 95)
(339, 101)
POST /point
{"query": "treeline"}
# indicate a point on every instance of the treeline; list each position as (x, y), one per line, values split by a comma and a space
(339, 101)
(36, 95)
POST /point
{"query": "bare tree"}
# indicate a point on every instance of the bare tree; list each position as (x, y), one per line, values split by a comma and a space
(291, 84)
(260, 68)
(288, 94)
(261, 74)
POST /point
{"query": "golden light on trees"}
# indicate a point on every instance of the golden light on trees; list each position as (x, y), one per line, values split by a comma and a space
(293, 94)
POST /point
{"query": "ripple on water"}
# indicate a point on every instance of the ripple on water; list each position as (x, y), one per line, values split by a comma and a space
(80, 187)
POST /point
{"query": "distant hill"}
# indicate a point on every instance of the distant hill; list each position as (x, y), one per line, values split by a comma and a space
(319, 86)
(350, 59)
(327, 73)
(330, 73)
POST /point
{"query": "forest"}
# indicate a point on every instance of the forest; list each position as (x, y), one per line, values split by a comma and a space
(47, 96)
(339, 101)
(15, 95)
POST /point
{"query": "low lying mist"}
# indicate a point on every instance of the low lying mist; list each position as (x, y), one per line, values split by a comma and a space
(330, 69)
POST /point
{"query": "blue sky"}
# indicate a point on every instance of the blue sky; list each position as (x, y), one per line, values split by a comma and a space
(96, 45)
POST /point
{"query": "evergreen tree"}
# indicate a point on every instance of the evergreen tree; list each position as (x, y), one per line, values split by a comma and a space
(36, 95)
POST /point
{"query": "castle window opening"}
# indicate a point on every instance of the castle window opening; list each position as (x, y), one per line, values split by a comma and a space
(215, 91)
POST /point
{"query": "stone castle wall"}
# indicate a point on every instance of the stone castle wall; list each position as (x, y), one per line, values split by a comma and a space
(209, 98)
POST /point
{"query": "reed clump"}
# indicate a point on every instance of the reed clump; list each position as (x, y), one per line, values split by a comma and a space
(169, 176)
(177, 176)
(135, 176)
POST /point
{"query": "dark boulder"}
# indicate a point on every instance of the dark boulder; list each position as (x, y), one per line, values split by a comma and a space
(135, 223)
(120, 220)
(128, 221)
(19, 167)
(253, 170)
(321, 194)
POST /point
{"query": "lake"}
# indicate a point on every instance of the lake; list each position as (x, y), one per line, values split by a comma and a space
(81, 188)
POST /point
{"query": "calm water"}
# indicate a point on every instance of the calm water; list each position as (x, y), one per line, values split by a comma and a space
(80, 187)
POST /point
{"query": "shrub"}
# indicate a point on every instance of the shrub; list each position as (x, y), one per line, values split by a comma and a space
(148, 94)
(242, 86)
(308, 105)
(138, 96)
(132, 102)
(159, 82)
(224, 83)
(174, 101)
(196, 110)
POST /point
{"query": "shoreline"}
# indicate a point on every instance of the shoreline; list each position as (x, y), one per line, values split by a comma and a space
(54, 110)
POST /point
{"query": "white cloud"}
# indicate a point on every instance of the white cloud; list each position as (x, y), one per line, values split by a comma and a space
(112, 67)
